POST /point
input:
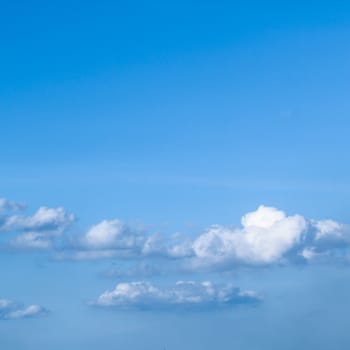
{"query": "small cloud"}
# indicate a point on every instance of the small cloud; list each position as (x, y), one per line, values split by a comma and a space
(32, 240)
(109, 234)
(183, 295)
(12, 310)
(8, 206)
(40, 230)
(114, 238)
(45, 219)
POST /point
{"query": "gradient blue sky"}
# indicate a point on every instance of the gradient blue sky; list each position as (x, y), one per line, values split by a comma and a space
(174, 116)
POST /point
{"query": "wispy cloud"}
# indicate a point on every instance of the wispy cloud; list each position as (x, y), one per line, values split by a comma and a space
(8, 206)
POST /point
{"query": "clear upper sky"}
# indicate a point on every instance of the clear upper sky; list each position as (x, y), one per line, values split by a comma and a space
(172, 117)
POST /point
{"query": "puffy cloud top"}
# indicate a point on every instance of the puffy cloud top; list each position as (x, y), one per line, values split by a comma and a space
(266, 235)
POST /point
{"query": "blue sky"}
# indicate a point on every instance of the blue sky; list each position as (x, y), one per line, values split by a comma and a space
(174, 174)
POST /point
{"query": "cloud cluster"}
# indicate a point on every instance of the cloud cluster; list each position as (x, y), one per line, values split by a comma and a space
(12, 310)
(266, 236)
(183, 294)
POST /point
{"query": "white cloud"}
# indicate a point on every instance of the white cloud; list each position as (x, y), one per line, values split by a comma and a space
(114, 238)
(269, 236)
(266, 235)
(8, 206)
(113, 234)
(328, 229)
(45, 219)
(12, 310)
(40, 230)
(174, 246)
(184, 294)
(32, 240)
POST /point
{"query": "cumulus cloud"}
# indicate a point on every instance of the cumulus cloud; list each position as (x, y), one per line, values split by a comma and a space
(266, 235)
(116, 239)
(12, 310)
(114, 234)
(183, 294)
(45, 219)
(269, 236)
(39, 230)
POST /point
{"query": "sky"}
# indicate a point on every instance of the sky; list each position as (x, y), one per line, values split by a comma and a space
(174, 175)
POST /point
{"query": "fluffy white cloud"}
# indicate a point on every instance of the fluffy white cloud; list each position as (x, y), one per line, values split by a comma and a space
(184, 294)
(266, 235)
(114, 238)
(12, 310)
(113, 234)
(269, 236)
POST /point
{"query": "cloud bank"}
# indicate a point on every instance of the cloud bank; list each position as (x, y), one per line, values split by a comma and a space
(266, 236)
(183, 294)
